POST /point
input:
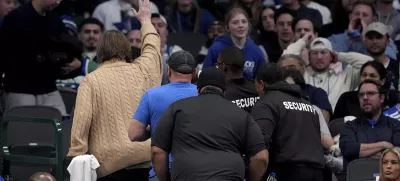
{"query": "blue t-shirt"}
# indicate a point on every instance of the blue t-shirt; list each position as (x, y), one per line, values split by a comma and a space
(155, 101)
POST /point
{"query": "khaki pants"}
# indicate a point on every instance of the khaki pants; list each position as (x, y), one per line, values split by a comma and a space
(52, 99)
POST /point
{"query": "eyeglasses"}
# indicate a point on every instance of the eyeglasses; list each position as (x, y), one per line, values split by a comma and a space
(368, 93)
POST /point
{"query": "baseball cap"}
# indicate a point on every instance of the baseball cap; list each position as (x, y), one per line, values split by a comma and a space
(157, 15)
(182, 62)
(321, 44)
(211, 76)
(377, 27)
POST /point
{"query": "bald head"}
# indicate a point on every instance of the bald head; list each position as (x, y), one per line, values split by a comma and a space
(42, 176)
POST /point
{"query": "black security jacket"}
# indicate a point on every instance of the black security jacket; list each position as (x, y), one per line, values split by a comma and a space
(290, 126)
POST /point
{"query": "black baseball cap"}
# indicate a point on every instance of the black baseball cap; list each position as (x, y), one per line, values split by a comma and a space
(211, 76)
(182, 62)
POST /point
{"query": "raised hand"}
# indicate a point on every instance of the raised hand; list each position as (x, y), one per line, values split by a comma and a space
(144, 13)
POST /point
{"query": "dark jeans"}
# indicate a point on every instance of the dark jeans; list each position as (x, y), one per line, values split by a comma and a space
(299, 173)
(127, 175)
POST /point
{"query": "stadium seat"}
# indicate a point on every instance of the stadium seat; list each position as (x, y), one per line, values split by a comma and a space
(362, 169)
(188, 41)
(32, 141)
(69, 98)
(335, 126)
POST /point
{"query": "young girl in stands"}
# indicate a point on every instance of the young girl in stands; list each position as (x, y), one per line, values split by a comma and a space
(390, 165)
(238, 25)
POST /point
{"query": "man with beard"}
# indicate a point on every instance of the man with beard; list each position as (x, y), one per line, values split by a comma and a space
(368, 135)
(215, 29)
(376, 39)
(90, 31)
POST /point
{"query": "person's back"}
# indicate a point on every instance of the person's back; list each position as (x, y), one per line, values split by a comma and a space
(209, 145)
(297, 136)
(108, 96)
(241, 92)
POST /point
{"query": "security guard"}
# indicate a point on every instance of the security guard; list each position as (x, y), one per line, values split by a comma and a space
(290, 126)
(207, 136)
(239, 90)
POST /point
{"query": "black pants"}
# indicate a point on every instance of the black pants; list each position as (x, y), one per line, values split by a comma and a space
(127, 175)
(299, 173)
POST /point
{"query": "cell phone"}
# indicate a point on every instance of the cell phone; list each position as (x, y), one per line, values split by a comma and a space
(358, 25)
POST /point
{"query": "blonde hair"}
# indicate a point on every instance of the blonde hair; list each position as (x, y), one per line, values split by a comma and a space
(256, 9)
(395, 150)
(114, 46)
(235, 10)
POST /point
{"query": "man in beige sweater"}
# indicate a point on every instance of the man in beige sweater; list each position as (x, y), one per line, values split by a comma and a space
(107, 98)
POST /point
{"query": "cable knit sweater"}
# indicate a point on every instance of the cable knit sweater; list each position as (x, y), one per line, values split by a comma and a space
(107, 99)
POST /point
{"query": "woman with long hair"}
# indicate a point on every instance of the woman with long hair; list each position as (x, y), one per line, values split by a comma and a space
(238, 27)
(390, 165)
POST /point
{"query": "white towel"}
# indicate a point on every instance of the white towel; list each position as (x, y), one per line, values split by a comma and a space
(83, 168)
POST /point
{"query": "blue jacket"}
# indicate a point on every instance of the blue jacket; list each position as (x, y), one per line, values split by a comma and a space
(254, 56)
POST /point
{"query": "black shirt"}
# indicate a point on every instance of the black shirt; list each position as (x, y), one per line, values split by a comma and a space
(206, 136)
(361, 130)
(290, 127)
(242, 92)
(24, 41)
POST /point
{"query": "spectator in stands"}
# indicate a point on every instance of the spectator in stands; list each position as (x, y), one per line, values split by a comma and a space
(349, 104)
(266, 29)
(42, 176)
(135, 38)
(304, 32)
(238, 25)
(389, 165)
(252, 8)
(301, 11)
(283, 38)
(373, 132)
(216, 29)
(239, 90)
(188, 16)
(326, 69)
(207, 136)
(107, 98)
(376, 39)
(316, 96)
(340, 18)
(361, 16)
(267, 22)
(30, 76)
(6, 6)
(323, 10)
(160, 23)
(389, 16)
(117, 15)
(294, 149)
(181, 67)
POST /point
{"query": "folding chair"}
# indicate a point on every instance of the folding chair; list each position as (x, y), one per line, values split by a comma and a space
(69, 98)
(362, 169)
(335, 126)
(32, 141)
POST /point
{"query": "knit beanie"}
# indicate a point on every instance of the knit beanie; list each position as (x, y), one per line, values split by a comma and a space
(211, 76)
